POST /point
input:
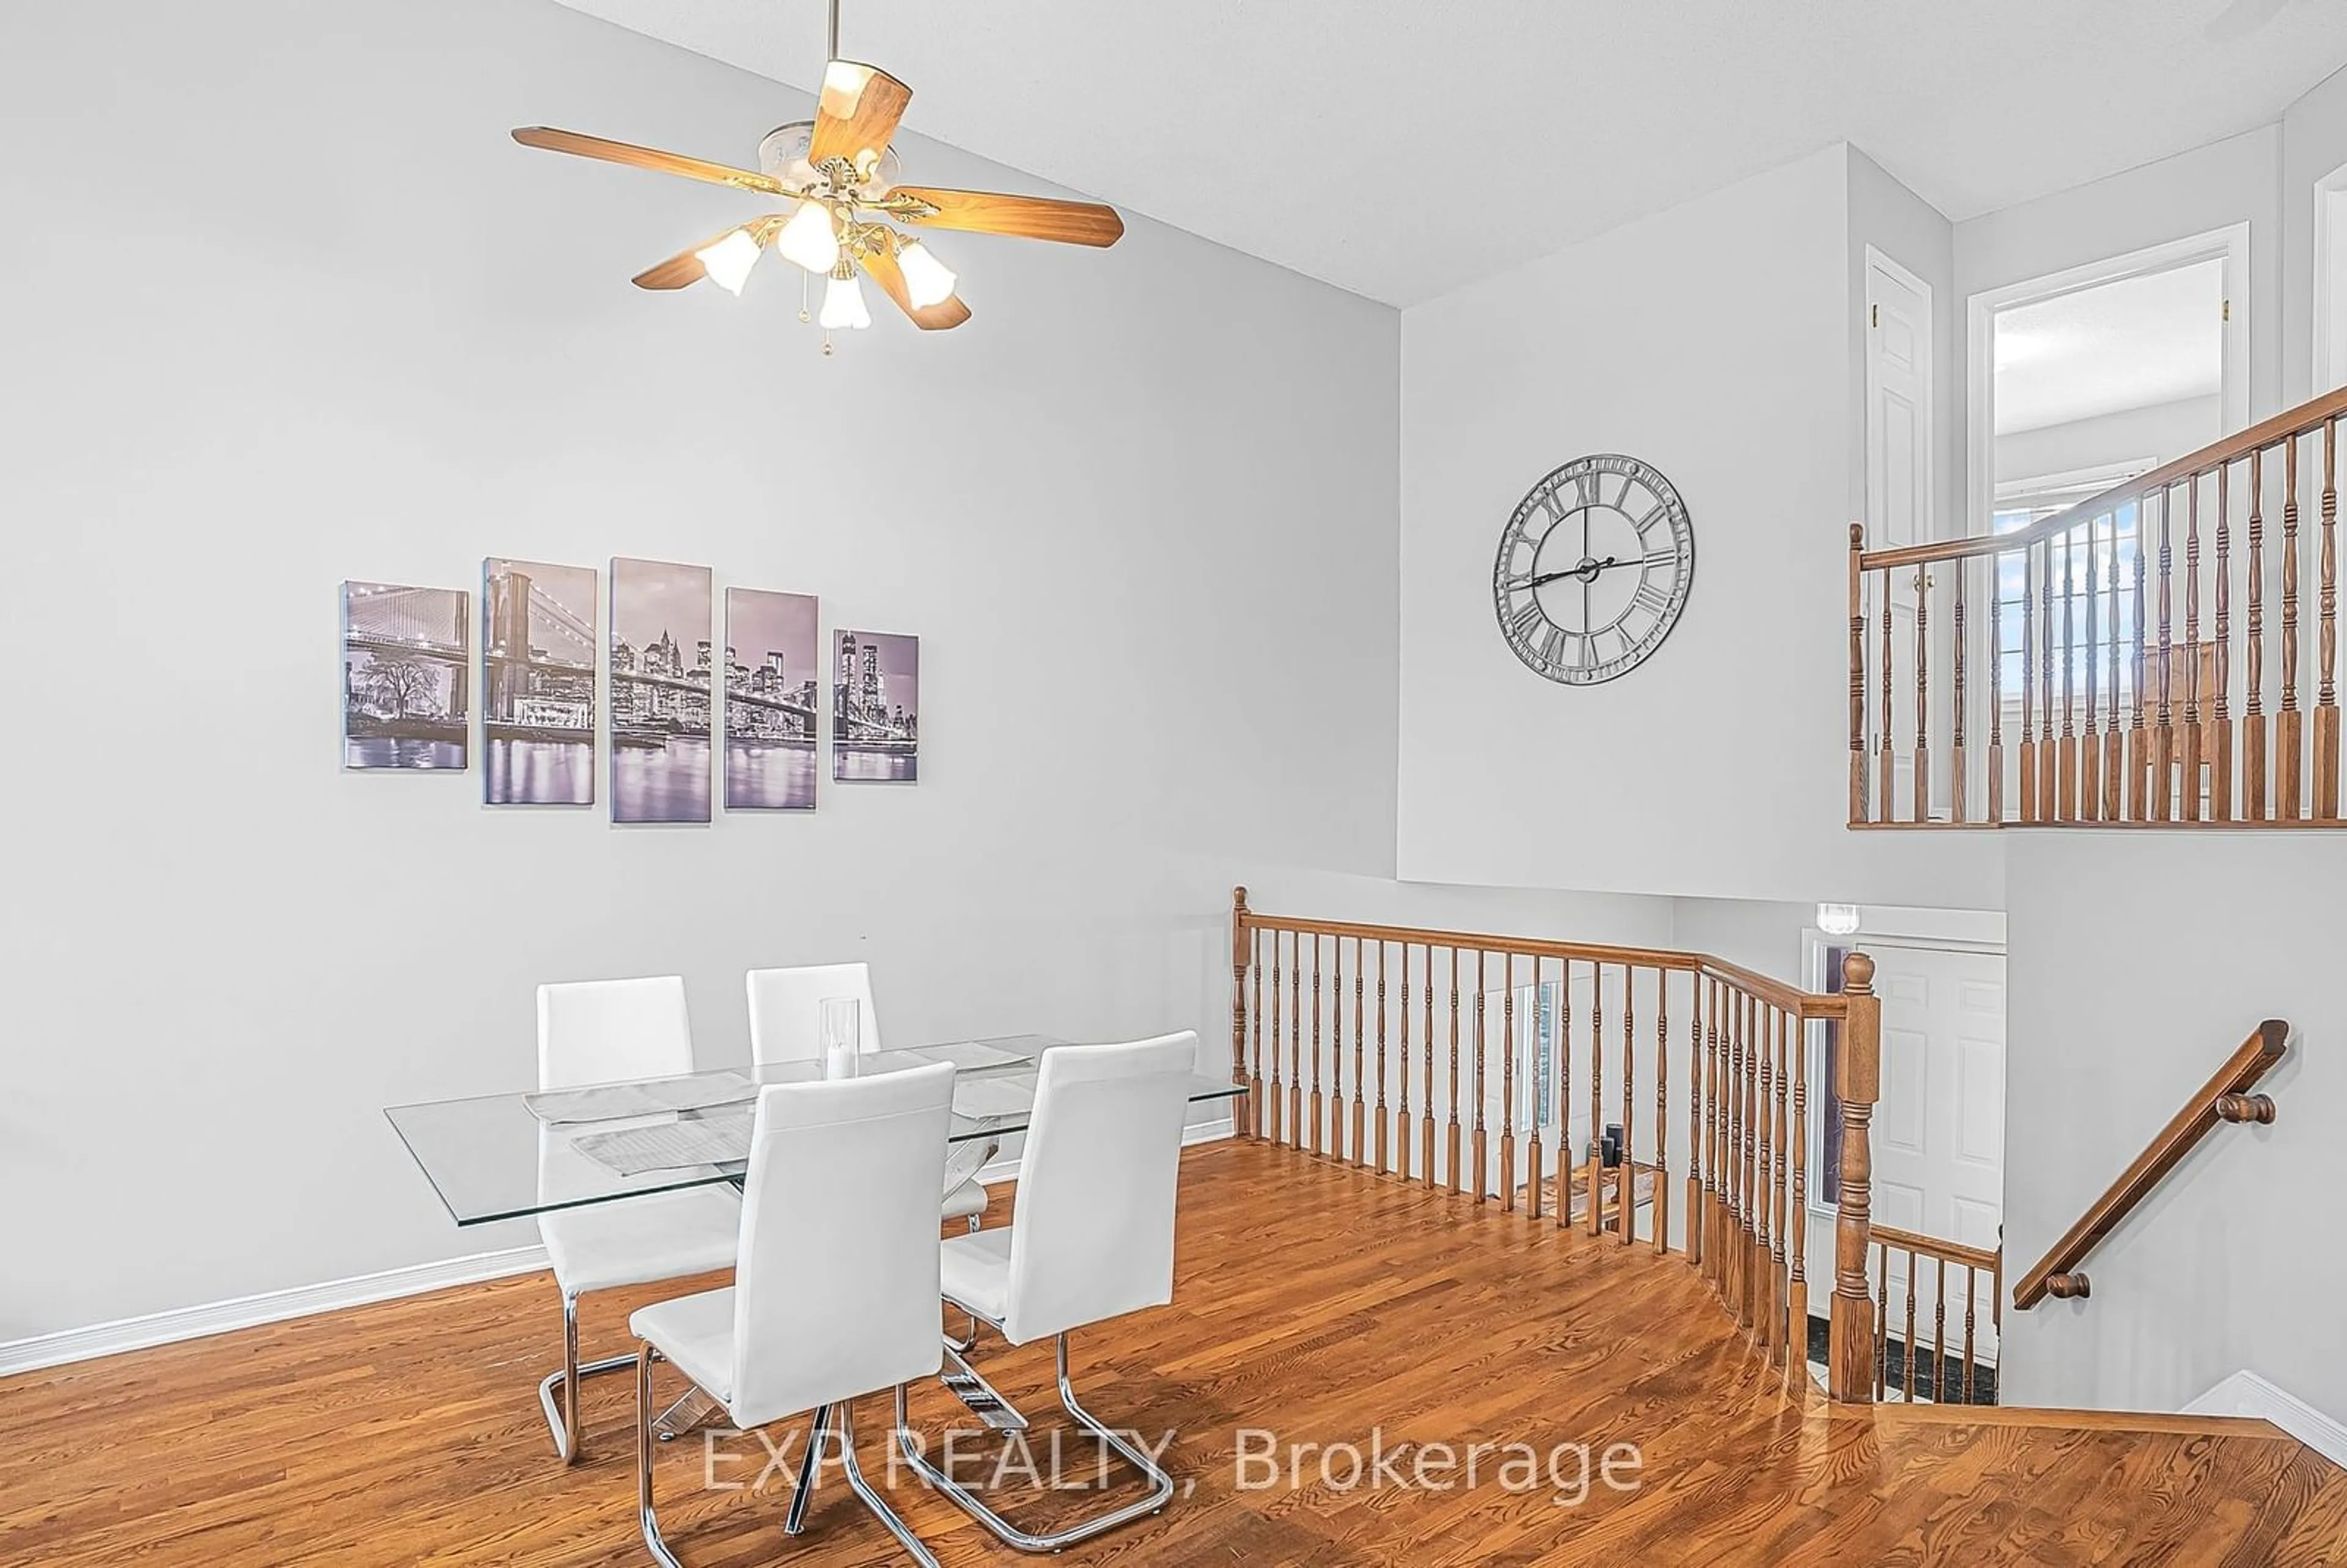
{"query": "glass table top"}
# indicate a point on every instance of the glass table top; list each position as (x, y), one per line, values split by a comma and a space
(490, 1157)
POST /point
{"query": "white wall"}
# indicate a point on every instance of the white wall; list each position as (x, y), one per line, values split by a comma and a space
(284, 306)
(2138, 963)
(2161, 432)
(1714, 341)
(2313, 143)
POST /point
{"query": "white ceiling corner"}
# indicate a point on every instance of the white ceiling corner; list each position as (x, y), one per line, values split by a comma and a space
(1400, 148)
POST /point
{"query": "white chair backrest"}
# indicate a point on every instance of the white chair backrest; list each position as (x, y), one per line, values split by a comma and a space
(610, 1032)
(1092, 1236)
(787, 1009)
(835, 1293)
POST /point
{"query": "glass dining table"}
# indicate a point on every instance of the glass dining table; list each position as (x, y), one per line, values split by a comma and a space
(516, 1155)
(521, 1154)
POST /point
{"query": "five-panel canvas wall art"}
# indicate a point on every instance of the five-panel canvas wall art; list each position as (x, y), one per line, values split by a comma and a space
(697, 709)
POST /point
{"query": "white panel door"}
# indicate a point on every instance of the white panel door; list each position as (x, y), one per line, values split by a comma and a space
(1901, 432)
(1939, 1127)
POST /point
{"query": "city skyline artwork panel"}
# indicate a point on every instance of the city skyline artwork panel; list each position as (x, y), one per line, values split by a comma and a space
(663, 690)
(773, 697)
(539, 639)
(406, 676)
(875, 707)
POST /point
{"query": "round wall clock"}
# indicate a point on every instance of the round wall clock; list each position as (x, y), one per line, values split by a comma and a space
(1594, 569)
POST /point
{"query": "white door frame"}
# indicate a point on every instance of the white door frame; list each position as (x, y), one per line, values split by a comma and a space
(2230, 245)
(2329, 367)
(1931, 523)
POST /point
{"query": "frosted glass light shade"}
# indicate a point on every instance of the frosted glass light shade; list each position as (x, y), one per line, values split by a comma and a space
(927, 281)
(843, 305)
(727, 263)
(1838, 920)
(809, 239)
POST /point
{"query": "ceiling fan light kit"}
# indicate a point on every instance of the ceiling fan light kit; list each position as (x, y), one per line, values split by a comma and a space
(840, 177)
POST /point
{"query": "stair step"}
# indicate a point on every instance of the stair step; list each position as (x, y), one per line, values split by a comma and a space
(2074, 1421)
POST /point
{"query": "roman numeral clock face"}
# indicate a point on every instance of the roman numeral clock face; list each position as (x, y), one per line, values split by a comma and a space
(1594, 569)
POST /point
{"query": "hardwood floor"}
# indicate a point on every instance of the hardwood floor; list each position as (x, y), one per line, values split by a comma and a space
(1314, 1302)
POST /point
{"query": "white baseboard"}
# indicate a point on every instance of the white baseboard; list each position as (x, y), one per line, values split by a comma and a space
(301, 1301)
(2247, 1394)
(252, 1311)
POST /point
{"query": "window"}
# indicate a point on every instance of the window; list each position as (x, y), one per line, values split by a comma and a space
(2110, 659)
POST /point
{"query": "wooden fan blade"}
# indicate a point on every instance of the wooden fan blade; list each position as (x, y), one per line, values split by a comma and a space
(635, 157)
(856, 115)
(1028, 217)
(948, 313)
(684, 269)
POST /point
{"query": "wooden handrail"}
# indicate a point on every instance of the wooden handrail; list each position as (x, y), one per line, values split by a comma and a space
(2224, 1098)
(2289, 422)
(1953, 1252)
(1776, 992)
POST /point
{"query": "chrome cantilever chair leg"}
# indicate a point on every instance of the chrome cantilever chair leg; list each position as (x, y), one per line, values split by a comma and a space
(809, 1462)
(562, 1419)
(872, 1498)
(1160, 1485)
(645, 1517)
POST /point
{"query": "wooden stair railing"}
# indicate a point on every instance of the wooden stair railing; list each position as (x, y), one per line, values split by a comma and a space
(2224, 1098)
(1338, 1026)
(2140, 659)
(1932, 1265)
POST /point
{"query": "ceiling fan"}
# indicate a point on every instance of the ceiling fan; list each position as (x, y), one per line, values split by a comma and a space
(836, 178)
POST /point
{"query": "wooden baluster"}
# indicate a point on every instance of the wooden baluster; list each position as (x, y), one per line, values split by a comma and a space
(1940, 1325)
(1723, 1026)
(1255, 1105)
(2220, 726)
(1909, 1358)
(1661, 1237)
(2289, 724)
(1384, 1146)
(1452, 1146)
(1731, 1132)
(2253, 708)
(2163, 737)
(1972, 1303)
(2048, 759)
(1596, 1153)
(1780, 1320)
(1797, 1289)
(2029, 809)
(2326, 641)
(1426, 1111)
(1535, 1173)
(2066, 801)
(1701, 1212)
(1697, 1157)
(1995, 696)
(1483, 1061)
(1312, 1131)
(2090, 746)
(1956, 725)
(1882, 1324)
(1277, 1102)
(1403, 1126)
(1627, 1178)
(2138, 757)
(1859, 811)
(1857, 1079)
(1886, 766)
(1748, 1091)
(1565, 1155)
(1241, 954)
(1360, 1110)
(1996, 1292)
(1296, 1038)
(1764, 1212)
(2115, 790)
(1922, 695)
(2193, 748)
(1508, 1080)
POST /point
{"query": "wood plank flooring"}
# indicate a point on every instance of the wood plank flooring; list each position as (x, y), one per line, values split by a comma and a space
(1314, 1301)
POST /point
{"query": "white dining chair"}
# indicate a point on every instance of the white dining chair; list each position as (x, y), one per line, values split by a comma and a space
(785, 1025)
(835, 1293)
(1092, 1238)
(610, 1032)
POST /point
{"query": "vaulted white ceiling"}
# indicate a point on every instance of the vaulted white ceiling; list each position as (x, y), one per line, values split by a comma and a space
(1399, 148)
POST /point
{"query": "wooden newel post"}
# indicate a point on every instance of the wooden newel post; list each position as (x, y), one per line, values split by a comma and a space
(1243, 1113)
(1857, 1074)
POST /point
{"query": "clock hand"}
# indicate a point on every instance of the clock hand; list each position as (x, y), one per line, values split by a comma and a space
(1587, 572)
